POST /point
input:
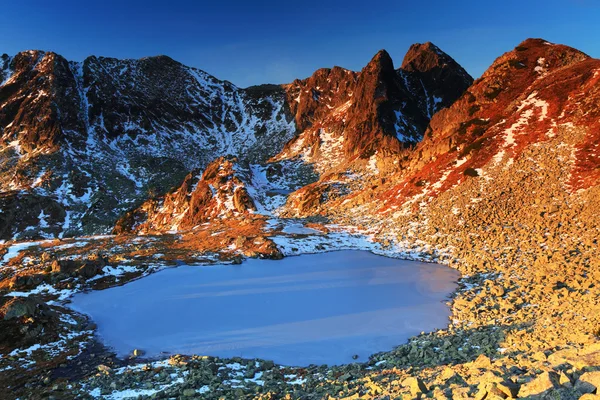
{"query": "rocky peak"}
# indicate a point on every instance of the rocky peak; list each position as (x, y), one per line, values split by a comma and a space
(376, 79)
(423, 57)
(530, 95)
(357, 114)
(433, 77)
(309, 99)
(36, 110)
(218, 192)
(381, 63)
(372, 120)
(530, 59)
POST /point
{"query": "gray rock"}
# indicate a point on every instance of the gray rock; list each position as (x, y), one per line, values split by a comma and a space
(20, 307)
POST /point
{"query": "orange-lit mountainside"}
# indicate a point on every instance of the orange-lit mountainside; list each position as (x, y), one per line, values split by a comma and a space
(113, 169)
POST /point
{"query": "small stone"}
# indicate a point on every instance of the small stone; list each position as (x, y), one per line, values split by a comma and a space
(104, 368)
(138, 353)
(56, 267)
(584, 387)
(89, 270)
(447, 374)
(345, 377)
(497, 291)
(564, 380)
(510, 389)
(90, 326)
(482, 361)
(189, 392)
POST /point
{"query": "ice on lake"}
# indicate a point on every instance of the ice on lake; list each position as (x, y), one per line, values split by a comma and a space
(310, 309)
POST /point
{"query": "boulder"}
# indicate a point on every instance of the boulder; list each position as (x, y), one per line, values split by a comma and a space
(23, 282)
(510, 389)
(540, 384)
(579, 358)
(589, 396)
(482, 361)
(415, 385)
(242, 200)
(589, 382)
(20, 307)
(89, 270)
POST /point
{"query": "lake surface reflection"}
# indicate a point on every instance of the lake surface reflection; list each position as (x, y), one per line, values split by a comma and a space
(310, 309)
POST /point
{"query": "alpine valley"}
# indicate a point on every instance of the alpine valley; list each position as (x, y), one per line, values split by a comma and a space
(111, 170)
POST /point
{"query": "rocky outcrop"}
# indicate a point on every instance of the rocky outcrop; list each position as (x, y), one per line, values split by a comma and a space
(219, 192)
(36, 107)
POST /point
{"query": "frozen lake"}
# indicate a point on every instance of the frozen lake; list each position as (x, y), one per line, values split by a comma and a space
(310, 309)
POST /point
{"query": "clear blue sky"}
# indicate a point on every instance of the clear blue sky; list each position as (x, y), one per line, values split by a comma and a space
(277, 41)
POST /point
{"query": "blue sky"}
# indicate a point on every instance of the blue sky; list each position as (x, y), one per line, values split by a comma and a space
(276, 41)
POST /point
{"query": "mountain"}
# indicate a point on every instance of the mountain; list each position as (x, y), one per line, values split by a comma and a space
(345, 115)
(83, 143)
(535, 94)
(514, 160)
(497, 178)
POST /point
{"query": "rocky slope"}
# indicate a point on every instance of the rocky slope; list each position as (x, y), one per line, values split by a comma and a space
(528, 96)
(538, 95)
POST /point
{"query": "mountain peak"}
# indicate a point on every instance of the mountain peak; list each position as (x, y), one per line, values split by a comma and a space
(380, 61)
(423, 57)
(531, 58)
(161, 58)
(534, 42)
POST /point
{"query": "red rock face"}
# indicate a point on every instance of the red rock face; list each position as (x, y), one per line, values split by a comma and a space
(217, 193)
(525, 97)
(377, 109)
(34, 109)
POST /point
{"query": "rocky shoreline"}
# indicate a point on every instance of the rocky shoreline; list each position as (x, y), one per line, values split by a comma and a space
(507, 338)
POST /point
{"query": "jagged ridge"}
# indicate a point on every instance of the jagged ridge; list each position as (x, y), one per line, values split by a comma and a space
(97, 138)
